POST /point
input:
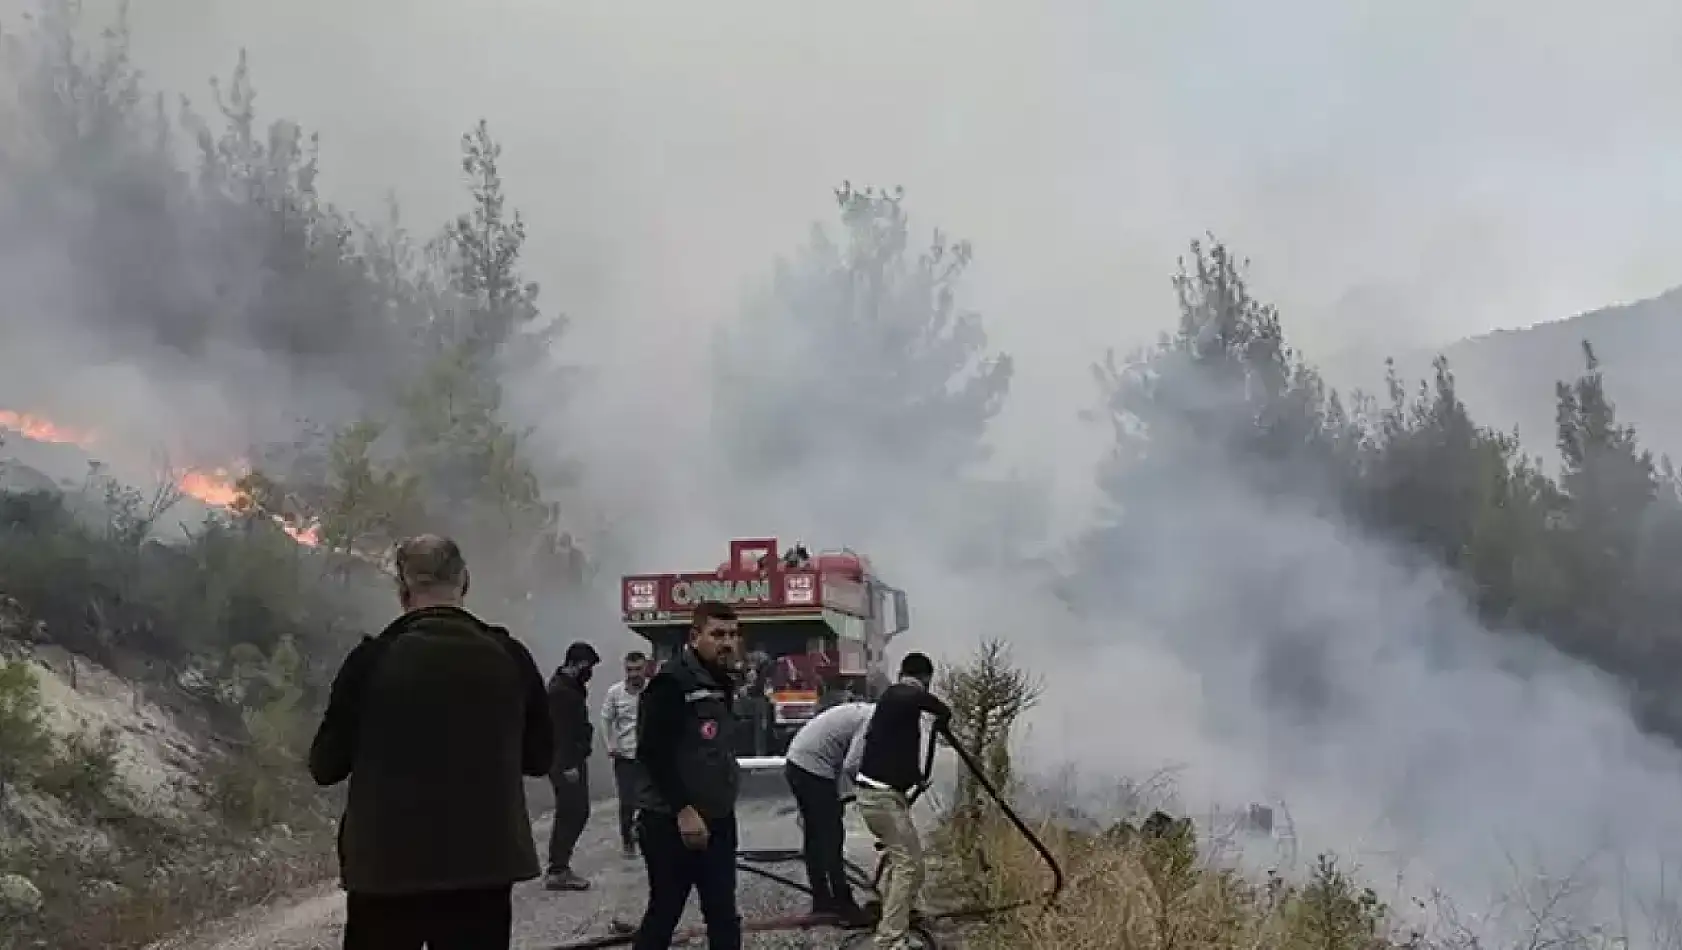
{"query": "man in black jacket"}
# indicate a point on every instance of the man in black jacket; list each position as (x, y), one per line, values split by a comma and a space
(569, 707)
(686, 820)
(434, 722)
(890, 766)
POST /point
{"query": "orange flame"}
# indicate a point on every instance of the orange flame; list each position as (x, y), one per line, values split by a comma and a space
(40, 429)
(214, 487)
(217, 488)
(309, 536)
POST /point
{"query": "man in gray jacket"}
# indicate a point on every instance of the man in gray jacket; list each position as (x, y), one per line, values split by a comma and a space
(816, 764)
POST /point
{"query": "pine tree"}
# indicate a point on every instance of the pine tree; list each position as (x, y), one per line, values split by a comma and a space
(859, 353)
(1609, 482)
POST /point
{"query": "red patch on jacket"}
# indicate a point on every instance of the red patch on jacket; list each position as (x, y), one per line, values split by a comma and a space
(709, 729)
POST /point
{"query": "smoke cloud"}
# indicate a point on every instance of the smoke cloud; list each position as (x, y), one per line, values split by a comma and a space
(1403, 176)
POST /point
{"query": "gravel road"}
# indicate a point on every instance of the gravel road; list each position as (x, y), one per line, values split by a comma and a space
(543, 920)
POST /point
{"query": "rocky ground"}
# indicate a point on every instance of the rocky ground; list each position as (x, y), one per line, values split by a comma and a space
(544, 920)
(157, 766)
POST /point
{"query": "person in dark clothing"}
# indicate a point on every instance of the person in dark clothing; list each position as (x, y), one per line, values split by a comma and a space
(570, 775)
(754, 711)
(890, 766)
(434, 722)
(686, 819)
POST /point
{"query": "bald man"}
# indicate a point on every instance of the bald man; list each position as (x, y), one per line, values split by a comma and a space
(434, 722)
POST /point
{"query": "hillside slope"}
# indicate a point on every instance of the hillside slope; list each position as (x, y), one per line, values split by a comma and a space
(154, 700)
(117, 807)
(1507, 377)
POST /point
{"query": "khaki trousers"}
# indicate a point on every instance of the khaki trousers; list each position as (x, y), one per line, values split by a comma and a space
(888, 816)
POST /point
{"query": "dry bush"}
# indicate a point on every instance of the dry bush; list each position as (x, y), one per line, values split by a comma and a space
(1150, 889)
(988, 694)
(131, 900)
(1145, 886)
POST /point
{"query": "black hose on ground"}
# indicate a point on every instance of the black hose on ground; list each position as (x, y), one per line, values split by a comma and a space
(749, 861)
(1049, 897)
(855, 874)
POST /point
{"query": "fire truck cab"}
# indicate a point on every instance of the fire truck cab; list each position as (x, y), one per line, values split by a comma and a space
(815, 630)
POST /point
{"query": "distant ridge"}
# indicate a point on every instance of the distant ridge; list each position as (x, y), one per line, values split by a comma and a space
(1507, 377)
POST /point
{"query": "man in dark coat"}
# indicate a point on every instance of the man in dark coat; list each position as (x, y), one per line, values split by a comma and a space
(686, 811)
(569, 708)
(434, 722)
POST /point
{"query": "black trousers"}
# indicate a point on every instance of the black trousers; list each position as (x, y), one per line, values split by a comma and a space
(572, 812)
(821, 814)
(445, 920)
(625, 785)
(674, 870)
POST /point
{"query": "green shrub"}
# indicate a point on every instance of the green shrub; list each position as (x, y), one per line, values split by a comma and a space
(1333, 910)
(25, 743)
(254, 788)
(988, 694)
(83, 771)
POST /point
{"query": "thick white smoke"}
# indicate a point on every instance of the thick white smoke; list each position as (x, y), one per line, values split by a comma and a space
(1401, 176)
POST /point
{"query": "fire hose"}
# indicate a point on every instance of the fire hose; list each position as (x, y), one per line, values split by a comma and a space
(749, 861)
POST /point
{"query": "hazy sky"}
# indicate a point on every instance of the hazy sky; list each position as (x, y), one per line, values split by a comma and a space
(1401, 173)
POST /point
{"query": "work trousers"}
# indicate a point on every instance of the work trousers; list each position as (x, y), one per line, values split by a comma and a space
(674, 870)
(442, 920)
(825, 836)
(625, 786)
(572, 812)
(887, 814)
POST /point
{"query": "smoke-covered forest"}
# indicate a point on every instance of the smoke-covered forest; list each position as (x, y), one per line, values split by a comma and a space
(379, 381)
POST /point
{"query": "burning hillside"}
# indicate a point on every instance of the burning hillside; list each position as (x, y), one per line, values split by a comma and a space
(217, 487)
(40, 429)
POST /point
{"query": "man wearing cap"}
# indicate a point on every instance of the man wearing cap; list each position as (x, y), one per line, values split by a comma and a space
(569, 707)
(433, 722)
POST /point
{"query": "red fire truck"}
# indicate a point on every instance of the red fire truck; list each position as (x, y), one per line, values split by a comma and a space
(815, 629)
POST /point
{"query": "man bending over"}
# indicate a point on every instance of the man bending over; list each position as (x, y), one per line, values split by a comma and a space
(890, 767)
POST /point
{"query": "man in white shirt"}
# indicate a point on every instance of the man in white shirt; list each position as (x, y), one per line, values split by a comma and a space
(619, 729)
(825, 753)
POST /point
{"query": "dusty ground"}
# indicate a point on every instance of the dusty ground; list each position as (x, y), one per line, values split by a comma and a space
(544, 920)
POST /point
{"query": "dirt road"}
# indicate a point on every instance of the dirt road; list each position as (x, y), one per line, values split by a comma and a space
(543, 920)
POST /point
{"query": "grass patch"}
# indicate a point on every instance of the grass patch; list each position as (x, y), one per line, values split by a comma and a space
(1150, 889)
(1144, 886)
(135, 894)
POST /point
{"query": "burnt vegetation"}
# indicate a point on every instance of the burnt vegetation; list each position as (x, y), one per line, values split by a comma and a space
(189, 233)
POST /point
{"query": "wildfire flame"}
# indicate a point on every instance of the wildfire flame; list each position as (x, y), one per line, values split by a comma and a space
(40, 429)
(214, 487)
(309, 535)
